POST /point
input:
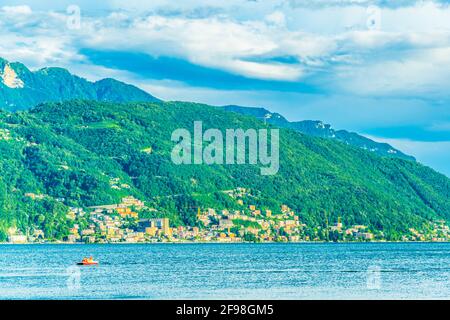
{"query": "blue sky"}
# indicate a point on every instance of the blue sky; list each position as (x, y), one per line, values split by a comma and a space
(374, 67)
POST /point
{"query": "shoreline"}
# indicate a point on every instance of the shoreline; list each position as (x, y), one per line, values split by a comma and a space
(213, 242)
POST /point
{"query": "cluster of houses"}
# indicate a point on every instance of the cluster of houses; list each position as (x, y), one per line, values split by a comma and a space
(107, 223)
(251, 223)
(122, 223)
(439, 231)
(356, 232)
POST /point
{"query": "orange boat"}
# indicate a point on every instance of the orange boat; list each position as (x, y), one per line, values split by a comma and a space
(87, 262)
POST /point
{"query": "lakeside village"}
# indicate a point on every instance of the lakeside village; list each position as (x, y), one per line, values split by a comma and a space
(120, 223)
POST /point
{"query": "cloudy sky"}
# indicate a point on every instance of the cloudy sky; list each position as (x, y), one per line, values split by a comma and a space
(380, 68)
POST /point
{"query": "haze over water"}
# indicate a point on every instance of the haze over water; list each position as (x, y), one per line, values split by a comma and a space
(227, 271)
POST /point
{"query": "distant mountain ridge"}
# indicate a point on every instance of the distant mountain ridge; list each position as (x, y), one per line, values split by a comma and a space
(319, 129)
(22, 89)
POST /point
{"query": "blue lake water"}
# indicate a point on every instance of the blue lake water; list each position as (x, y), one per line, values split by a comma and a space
(227, 271)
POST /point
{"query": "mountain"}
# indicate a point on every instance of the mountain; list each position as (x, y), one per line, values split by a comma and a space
(84, 153)
(320, 129)
(22, 89)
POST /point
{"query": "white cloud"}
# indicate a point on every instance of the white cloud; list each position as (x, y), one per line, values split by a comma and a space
(417, 73)
(24, 10)
(213, 42)
(277, 18)
(400, 58)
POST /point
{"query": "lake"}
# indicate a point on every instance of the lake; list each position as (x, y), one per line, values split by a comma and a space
(227, 271)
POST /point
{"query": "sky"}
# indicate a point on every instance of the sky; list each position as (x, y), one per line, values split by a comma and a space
(379, 68)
